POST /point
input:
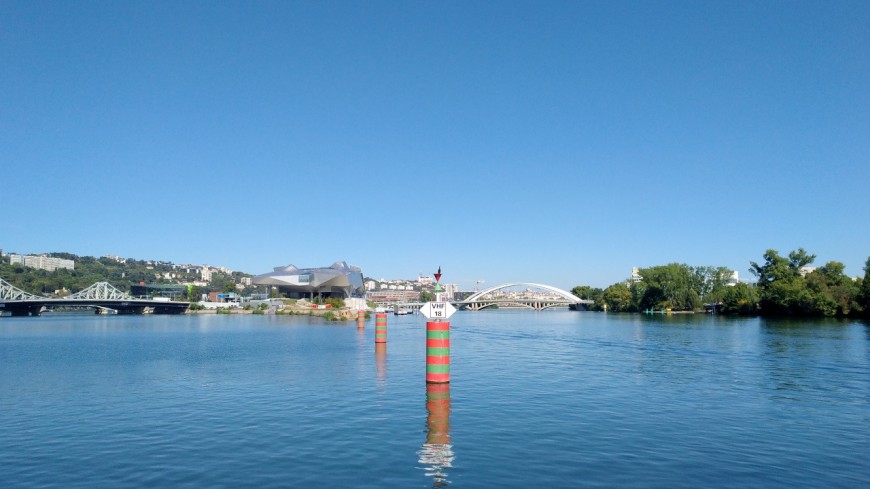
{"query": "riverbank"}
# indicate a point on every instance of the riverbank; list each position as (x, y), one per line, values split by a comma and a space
(343, 314)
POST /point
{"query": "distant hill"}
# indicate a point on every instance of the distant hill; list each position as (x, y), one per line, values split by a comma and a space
(122, 273)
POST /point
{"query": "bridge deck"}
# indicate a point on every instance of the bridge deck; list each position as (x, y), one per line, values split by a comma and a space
(34, 307)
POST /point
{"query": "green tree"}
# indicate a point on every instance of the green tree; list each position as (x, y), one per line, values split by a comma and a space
(673, 286)
(834, 293)
(863, 297)
(618, 298)
(739, 299)
(591, 293)
(708, 282)
(582, 291)
(799, 259)
(776, 267)
(784, 290)
(193, 293)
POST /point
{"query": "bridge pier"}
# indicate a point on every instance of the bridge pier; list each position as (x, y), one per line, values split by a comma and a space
(176, 309)
(130, 309)
(26, 310)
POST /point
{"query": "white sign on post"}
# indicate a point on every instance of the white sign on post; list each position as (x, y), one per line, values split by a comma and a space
(437, 310)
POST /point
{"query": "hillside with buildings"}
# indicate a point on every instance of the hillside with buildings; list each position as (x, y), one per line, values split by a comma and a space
(420, 289)
(59, 274)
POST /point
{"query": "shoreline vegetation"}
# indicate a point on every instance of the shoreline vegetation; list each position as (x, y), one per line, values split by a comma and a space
(288, 307)
(785, 286)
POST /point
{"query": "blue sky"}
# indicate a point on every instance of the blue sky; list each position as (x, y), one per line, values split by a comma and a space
(551, 142)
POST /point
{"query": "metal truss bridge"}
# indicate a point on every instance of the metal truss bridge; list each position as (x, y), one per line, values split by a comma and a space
(101, 296)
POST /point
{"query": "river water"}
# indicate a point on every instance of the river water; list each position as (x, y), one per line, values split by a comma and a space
(536, 399)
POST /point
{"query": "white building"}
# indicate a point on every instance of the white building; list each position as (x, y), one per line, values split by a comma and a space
(41, 262)
(734, 279)
(450, 291)
(116, 258)
(424, 279)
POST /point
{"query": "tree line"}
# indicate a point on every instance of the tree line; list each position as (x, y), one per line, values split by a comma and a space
(786, 286)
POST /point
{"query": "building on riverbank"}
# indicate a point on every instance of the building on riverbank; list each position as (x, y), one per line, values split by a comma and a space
(394, 296)
(338, 280)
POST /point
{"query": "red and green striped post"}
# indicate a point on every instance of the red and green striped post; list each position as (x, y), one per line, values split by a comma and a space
(437, 352)
(360, 319)
(381, 327)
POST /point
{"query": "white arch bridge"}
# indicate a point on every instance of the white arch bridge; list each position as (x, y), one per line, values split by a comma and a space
(500, 296)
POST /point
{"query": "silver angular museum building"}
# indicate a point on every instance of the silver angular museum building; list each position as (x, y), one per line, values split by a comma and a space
(339, 280)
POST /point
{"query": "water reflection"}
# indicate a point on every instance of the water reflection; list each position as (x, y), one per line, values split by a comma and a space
(381, 362)
(804, 359)
(437, 455)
